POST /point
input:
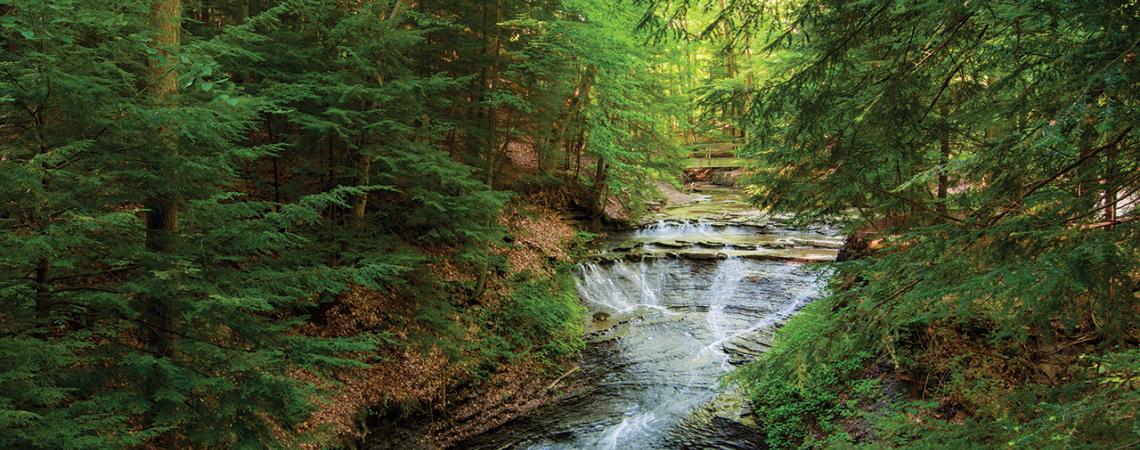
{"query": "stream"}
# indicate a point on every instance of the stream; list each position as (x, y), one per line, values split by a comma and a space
(676, 304)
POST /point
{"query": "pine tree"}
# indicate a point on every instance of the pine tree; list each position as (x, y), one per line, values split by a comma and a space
(117, 336)
(189, 188)
(984, 145)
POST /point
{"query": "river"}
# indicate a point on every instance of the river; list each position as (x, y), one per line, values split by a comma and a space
(676, 304)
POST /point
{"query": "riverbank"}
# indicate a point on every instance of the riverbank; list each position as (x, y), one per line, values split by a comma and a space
(447, 374)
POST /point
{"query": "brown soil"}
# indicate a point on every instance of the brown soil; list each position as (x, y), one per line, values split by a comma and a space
(427, 380)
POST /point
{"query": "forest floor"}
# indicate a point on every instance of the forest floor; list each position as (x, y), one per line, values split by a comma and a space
(431, 399)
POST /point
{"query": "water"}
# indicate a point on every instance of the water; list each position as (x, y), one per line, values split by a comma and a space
(669, 229)
(674, 327)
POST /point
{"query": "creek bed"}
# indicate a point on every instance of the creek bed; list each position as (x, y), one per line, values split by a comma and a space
(665, 331)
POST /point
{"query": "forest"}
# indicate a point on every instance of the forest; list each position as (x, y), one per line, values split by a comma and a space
(422, 224)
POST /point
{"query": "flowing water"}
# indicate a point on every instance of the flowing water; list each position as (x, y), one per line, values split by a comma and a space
(665, 331)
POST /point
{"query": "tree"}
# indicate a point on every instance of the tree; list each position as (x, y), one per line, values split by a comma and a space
(118, 337)
(973, 139)
(192, 190)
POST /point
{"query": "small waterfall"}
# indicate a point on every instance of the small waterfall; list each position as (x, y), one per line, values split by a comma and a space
(730, 275)
(675, 230)
(680, 324)
(621, 287)
(666, 230)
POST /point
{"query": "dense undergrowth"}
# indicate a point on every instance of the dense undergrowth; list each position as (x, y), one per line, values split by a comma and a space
(247, 223)
(939, 382)
(541, 320)
(984, 157)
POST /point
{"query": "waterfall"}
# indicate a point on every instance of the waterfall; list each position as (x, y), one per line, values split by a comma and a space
(621, 287)
(730, 275)
(675, 230)
(692, 231)
(671, 328)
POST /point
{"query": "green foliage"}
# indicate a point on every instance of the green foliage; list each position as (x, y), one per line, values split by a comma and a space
(173, 250)
(542, 320)
(812, 395)
(796, 386)
(985, 146)
(83, 367)
(629, 123)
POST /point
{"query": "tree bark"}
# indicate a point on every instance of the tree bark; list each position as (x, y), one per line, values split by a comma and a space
(162, 215)
(943, 176)
(583, 120)
(397, 9)
(492, 143)
(1087, 172)
(362, 180)
(43, 293)
(162, 222)
(601, 195)
(730, 70)
(1110, 193)
(162, 207)
(275, 165)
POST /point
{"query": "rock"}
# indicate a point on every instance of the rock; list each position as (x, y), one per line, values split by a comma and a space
(703, 255)
(780, 244)
(627, 246)
(818, 243)
(743, 352)
(601, 316)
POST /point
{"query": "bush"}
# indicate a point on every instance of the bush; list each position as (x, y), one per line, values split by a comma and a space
(542, 320)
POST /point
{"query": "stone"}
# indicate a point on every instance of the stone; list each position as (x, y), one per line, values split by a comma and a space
(703, 255)
(818, 243)
(670, 244)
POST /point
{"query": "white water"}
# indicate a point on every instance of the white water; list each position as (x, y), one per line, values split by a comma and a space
(670, 335)
(669, 230)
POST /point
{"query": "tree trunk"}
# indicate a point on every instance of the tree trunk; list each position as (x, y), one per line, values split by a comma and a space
(492, 46)
(1110, 193)
(943, 176)
(162, 207)
(363, 179)
(730, 70)
(583, 120)
(43, 293)
(275, 165)
(397, 9)
(501, 152)
(157, 312)
(558, 131)
(492, 143)
(601, 195)
(1087, 173)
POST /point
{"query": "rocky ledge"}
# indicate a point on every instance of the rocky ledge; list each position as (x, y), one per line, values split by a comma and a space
(707, 240)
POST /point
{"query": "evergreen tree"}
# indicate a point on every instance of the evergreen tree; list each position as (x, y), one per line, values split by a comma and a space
(988, 147)
(150, 303)
(188, 190)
